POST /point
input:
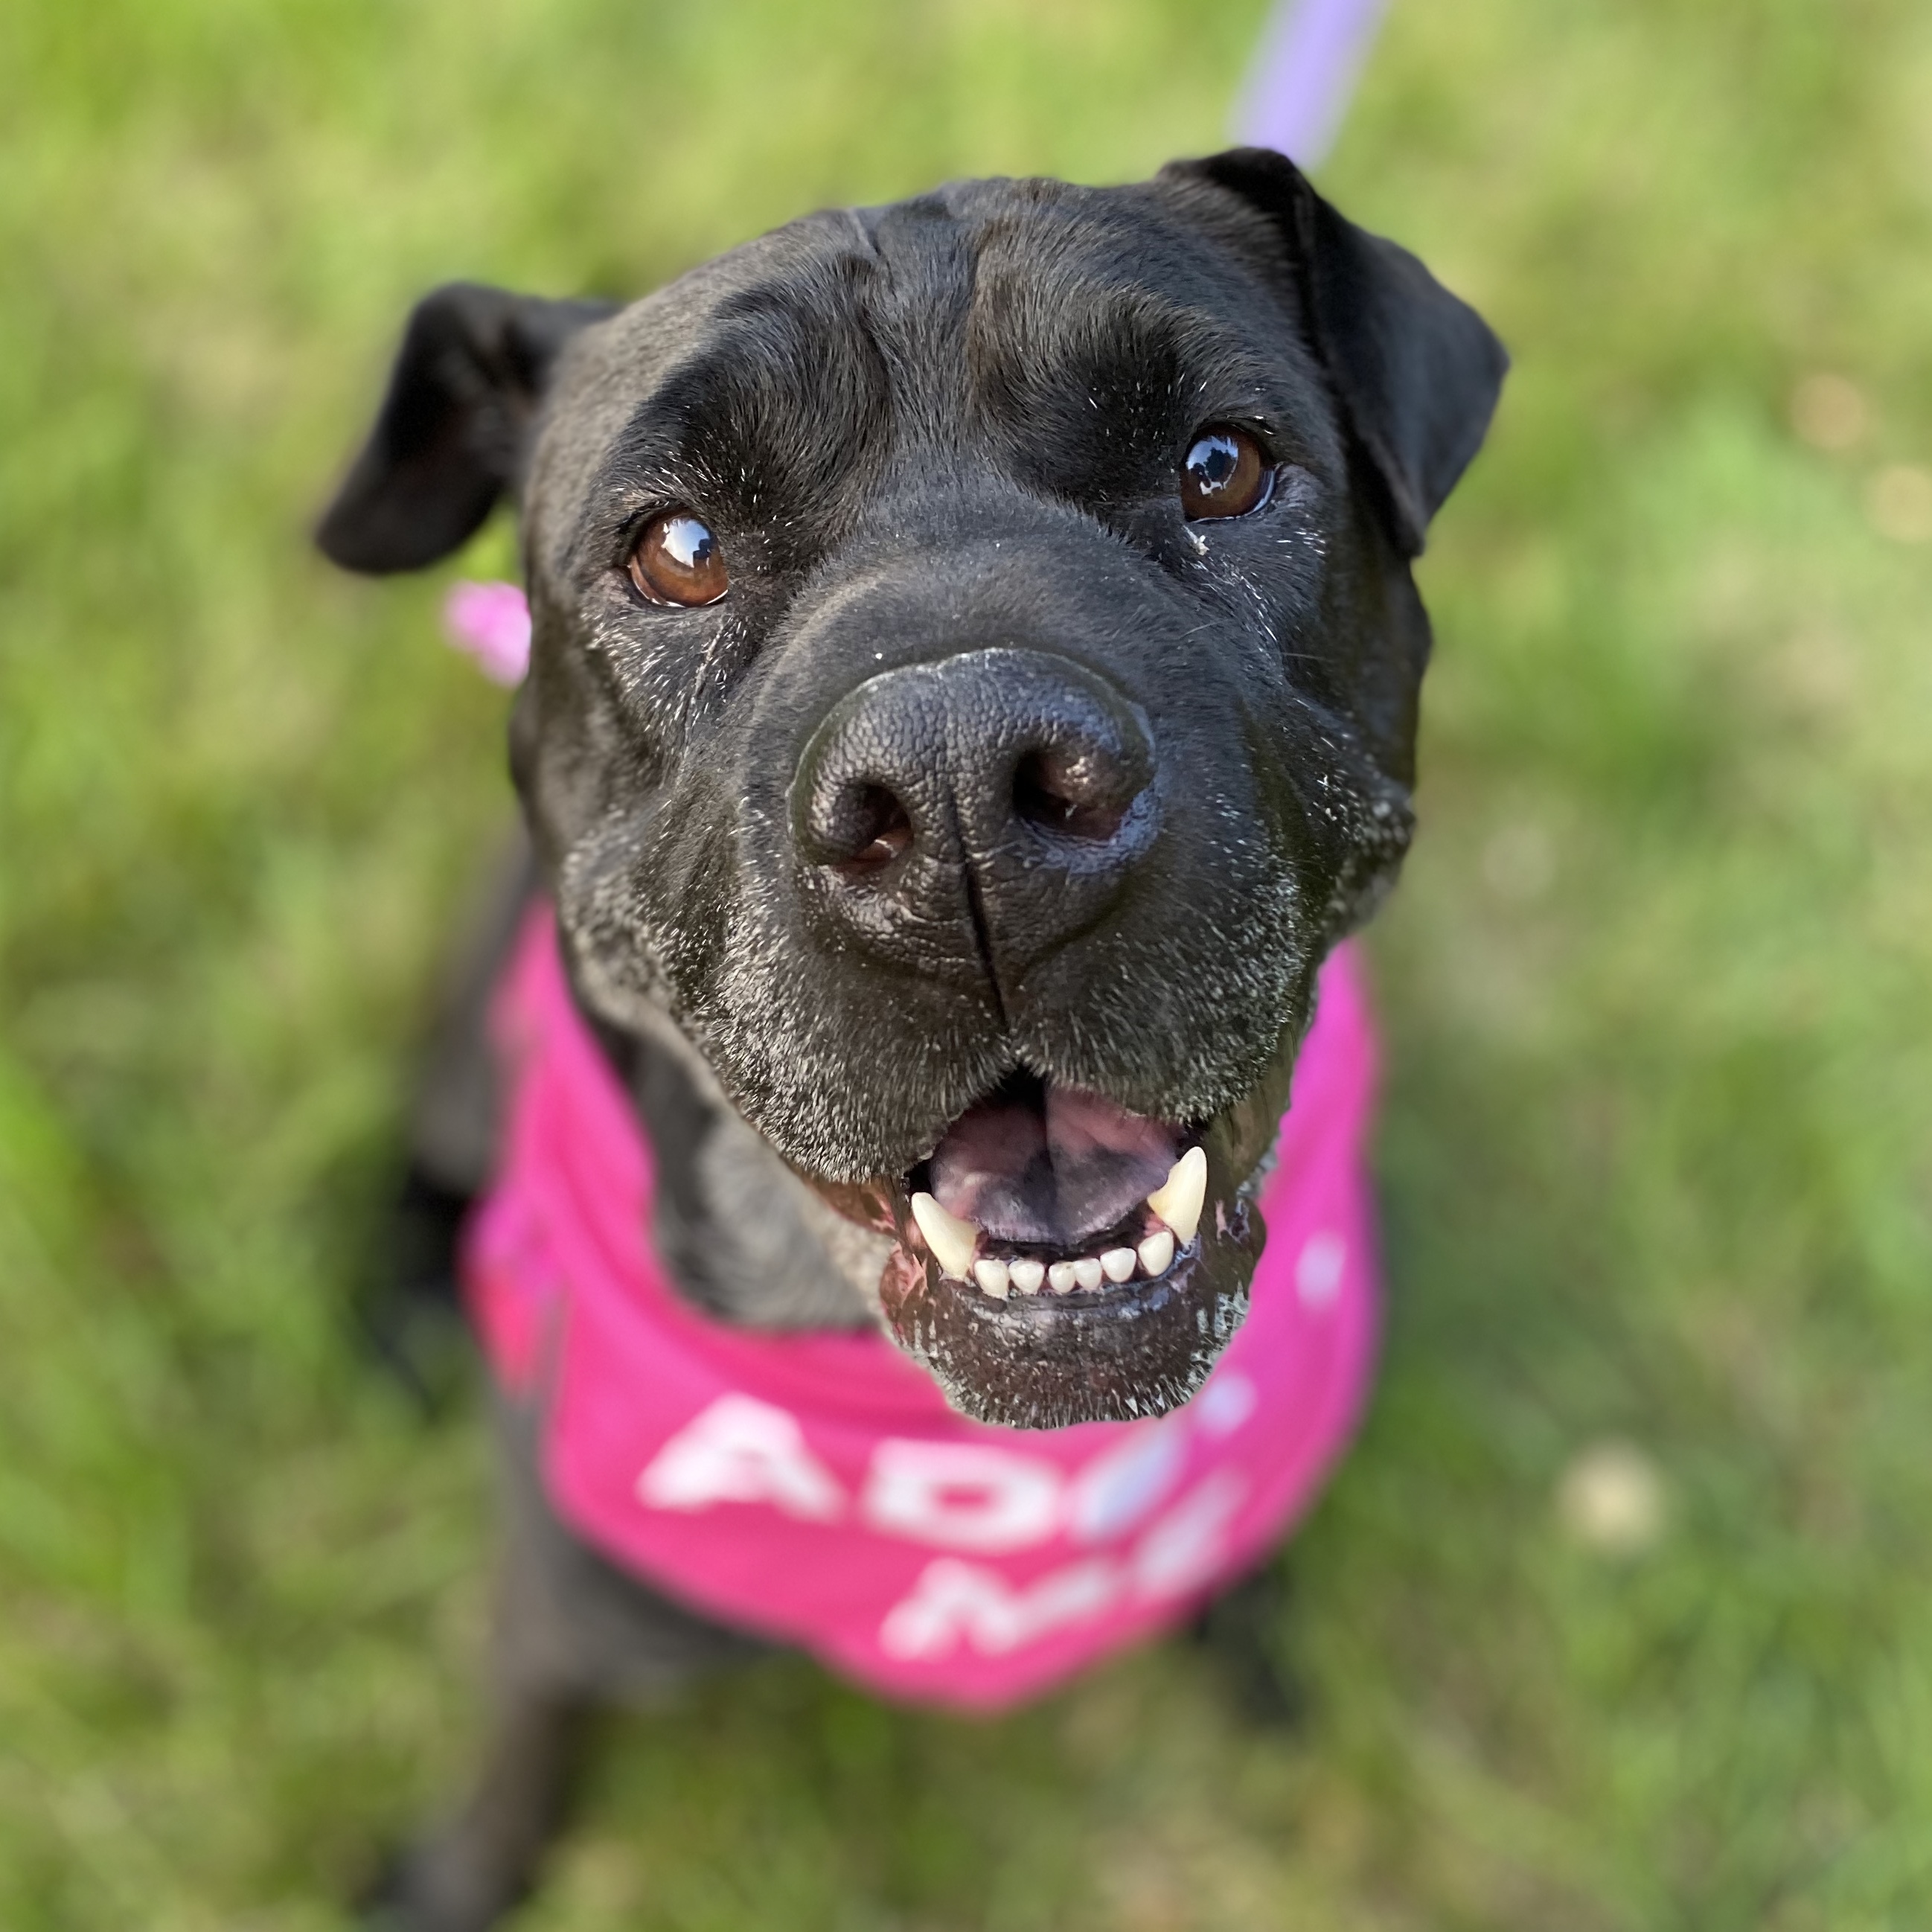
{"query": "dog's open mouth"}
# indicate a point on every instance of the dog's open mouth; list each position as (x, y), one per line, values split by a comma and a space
(1061, 1259)
(1044, 1189)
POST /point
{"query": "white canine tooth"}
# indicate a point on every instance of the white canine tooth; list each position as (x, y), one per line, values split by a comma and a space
(1178, 1200)
(1026, 1276)
(1088, 1272)
(1060, 1277)
(1155, 1252)
(993, 1277)
(1118, 1263)
(951, 1240)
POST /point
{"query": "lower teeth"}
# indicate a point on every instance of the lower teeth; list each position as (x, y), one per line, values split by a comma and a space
(1001, 1278)
(1176, 1204)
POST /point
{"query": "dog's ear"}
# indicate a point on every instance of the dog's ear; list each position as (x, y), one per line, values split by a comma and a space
(451, 436)
(1417, 371)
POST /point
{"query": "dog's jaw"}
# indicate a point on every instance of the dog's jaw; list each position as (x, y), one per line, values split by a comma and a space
(855, 1252)
(1111, 1354)
(1125, 1350)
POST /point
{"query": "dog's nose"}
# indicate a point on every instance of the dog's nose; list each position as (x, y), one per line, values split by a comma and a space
(995, 801)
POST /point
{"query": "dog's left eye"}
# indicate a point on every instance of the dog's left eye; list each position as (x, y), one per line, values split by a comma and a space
(676, 560)
(1224, 475)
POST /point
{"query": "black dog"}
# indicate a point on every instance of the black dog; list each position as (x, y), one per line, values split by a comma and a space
(974, 683)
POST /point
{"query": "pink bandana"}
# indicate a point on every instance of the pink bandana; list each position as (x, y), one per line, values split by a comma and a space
(815, 1487)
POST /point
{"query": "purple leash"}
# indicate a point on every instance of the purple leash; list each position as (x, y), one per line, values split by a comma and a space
(1304, 75)
(1297, 93)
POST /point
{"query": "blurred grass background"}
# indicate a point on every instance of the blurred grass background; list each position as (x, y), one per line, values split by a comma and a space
(1619, 1618)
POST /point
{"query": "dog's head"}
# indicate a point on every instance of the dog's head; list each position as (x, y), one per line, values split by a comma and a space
(973, 683)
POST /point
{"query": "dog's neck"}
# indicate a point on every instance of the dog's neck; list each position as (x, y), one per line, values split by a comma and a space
(741, 1235)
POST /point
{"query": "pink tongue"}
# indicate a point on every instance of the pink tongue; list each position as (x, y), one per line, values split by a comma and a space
(1051, 1167)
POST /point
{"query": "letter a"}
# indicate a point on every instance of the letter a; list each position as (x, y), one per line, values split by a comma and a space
(742, 1450)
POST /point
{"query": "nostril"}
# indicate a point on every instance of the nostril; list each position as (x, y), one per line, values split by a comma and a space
(1067, 795)
(873, 828)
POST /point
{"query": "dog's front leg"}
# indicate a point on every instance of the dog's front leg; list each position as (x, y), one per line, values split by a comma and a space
(1243, 1629)
(464, 1874)
(573, 1632)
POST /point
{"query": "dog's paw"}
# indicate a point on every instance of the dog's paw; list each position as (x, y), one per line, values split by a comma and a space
(1244, 1631)
(434, 1886)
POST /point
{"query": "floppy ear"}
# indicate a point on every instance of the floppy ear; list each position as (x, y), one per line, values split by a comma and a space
(451, 434)
(1417, 371)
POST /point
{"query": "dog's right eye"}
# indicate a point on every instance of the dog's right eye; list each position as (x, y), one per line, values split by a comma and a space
(676, 560)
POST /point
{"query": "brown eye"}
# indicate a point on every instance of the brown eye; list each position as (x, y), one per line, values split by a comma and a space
(1225, 474)
(676, 560)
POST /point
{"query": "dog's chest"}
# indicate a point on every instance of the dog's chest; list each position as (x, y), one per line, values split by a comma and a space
(815, 1487)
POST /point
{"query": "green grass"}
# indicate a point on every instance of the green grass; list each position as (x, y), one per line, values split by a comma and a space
(1657, 1147)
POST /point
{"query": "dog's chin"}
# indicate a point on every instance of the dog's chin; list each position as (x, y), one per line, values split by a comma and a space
(1098, 1283)
(1133, 1348)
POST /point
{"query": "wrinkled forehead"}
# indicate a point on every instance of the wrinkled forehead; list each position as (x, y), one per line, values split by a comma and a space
(928, 316)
